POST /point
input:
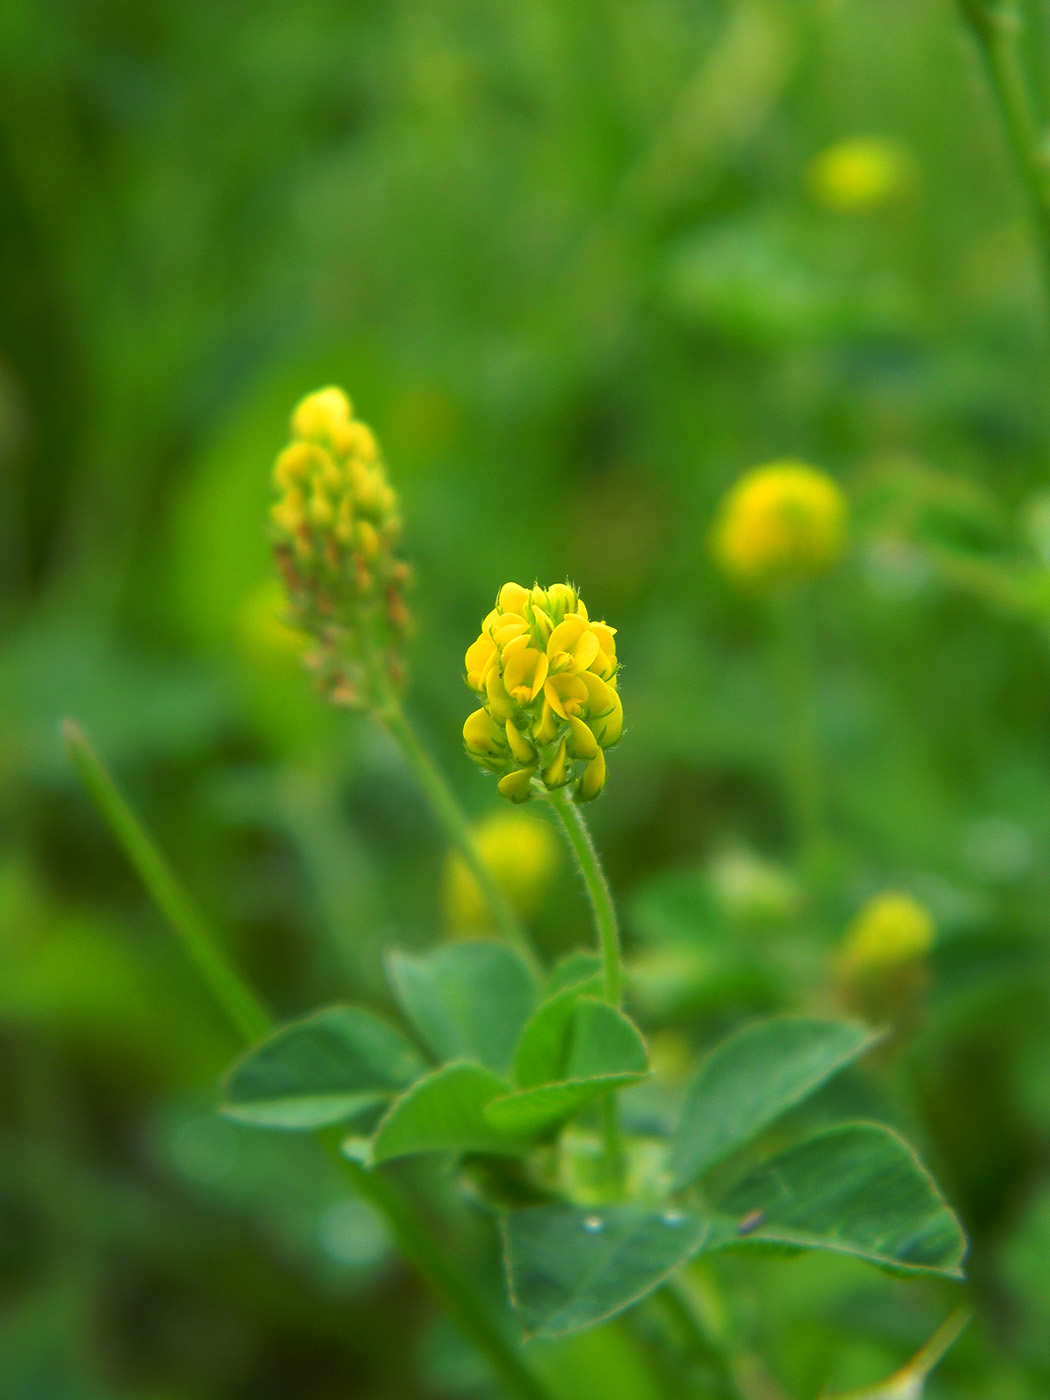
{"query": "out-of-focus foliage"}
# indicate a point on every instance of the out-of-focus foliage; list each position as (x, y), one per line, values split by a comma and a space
(573, 265)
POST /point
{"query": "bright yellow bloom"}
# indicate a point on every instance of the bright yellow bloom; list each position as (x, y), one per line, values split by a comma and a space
(784, 520)
(890, 931)
(522, 855)
(335, 528)
(858, 174)
(546, 677)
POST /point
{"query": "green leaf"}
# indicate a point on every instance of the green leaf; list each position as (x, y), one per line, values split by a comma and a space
(752, 1078)
(855, 1189)
(572, 1051)
(577, 969)
(444, 1112)
(321, 1069)
(467, 1000)
(570, 1268)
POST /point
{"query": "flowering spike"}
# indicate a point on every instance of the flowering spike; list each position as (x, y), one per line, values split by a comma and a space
(547, 680)
(335, 527)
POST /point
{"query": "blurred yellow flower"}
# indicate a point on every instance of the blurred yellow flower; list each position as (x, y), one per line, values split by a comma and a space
(335, 528)
(522, 854)
(858, 174)
(546, 676)
(783, 520)
(890, 931)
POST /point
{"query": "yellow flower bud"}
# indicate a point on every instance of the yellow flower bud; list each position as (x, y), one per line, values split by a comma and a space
(522, 854)
(858, 174)
(547, 679)
(335, 528)
(782, 521)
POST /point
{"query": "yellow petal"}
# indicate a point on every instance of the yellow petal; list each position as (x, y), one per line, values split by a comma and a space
(524, 671)
(500, 703)
(479, 658)
(593, 779)
(582, 742)
(519, 745)
(556, 773)
(512, 598)
(480, 735)
(547, 729)
(517, 786)
(566, 694)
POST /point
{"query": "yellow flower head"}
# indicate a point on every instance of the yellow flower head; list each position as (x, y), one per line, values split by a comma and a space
(546, 677)
(781, 521)
(335, 527)
(858, 174)
(522, 855)
(890, 931)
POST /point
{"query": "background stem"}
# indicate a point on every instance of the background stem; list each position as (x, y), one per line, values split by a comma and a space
(801, 751)
(457, 828)
(247, 1016)
(996, 29)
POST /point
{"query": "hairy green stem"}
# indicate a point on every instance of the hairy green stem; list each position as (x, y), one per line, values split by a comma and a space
(457, 828)
(606, 923)
(247, 1016)
(996, 26)
(578, 835)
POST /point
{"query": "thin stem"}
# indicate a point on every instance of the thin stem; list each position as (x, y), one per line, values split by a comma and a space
(583, 848)
(241, 1007)
(801, 751)
(578, 835)
(248, 1017)
(457, 828)
(996, 27)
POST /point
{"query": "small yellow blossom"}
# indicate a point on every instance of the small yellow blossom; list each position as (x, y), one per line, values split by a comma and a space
(546, 677)
(335, 527)
(522, 855)
(890, 931)
(859, 174)
(781, 521)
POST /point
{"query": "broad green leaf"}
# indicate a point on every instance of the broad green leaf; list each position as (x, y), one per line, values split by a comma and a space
(570, 1268)
(575, 970)
(855, 1189)
(752, 1078)
(467, 1000)
(574, 1049)
(444, 1113)
(322, 1069)
(909, 1383)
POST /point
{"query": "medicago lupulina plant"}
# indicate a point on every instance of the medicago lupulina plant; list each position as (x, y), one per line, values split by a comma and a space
(518, 1073)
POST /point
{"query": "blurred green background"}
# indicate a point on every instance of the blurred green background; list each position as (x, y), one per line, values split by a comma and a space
(572, 264)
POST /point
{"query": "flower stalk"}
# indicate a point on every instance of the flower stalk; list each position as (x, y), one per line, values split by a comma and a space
(249, 1019)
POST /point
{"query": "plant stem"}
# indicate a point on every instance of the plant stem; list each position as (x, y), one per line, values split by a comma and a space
(247, 1016)
(457, 828)
(578, 835)
(995, 27)
(242, 1009)
(801, 752)
(583, 848)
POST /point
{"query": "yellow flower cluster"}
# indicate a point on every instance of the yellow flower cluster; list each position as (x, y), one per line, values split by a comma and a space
(858, 174)
(889, 931)
(546, 675)
(335, 526)
(781, 521)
